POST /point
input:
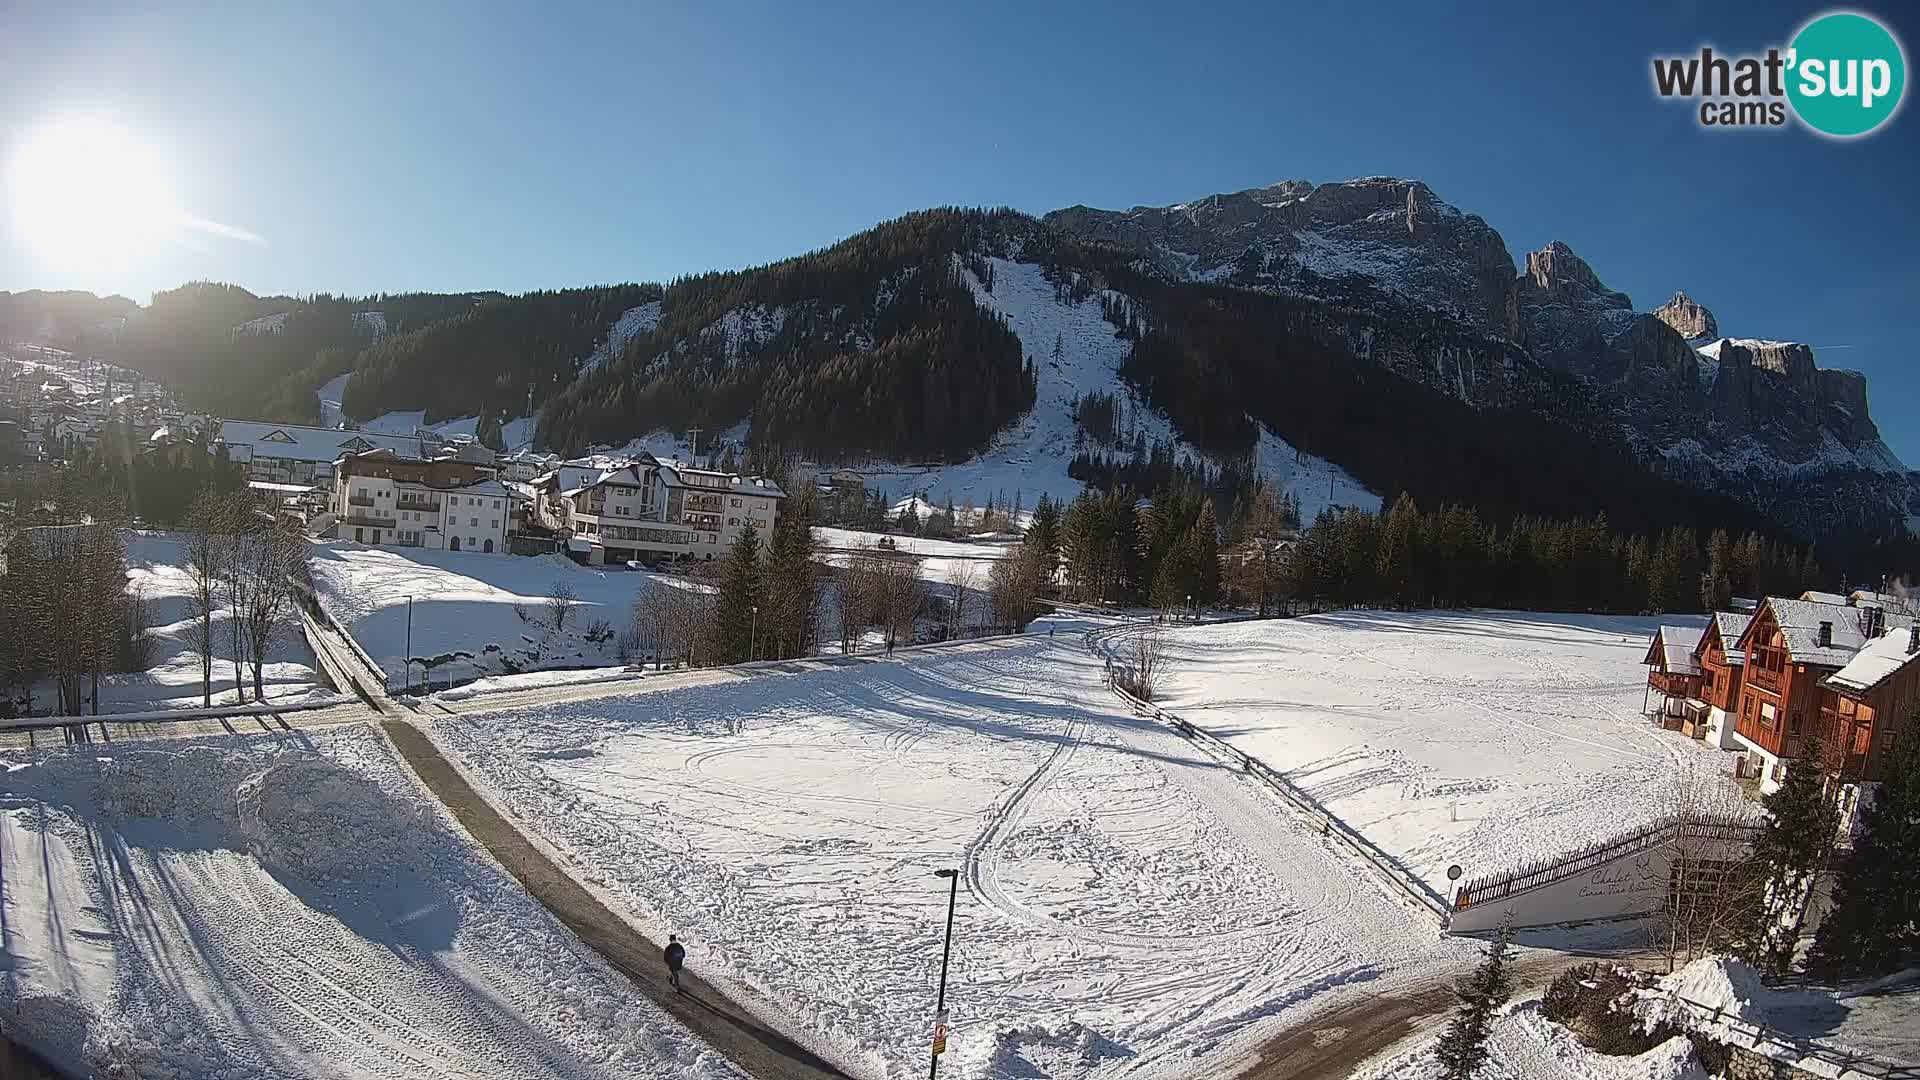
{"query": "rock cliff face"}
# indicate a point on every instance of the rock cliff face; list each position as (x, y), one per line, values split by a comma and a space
(1688, 318)
(1758, 419)
(1391, 235)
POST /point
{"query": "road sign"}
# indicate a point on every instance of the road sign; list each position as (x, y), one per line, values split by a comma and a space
(1453, 872)
(940, 1033)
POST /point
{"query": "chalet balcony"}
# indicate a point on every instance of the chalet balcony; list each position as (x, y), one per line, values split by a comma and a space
(417, 504)
(1765, 678)
(1674, 684)
(367, 520)
(360, 500)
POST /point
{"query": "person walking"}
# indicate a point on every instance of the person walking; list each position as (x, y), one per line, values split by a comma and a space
(676, 955)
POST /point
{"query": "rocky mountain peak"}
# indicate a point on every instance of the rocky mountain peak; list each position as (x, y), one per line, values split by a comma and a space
(1350, 241)
(1689, 317)
(1556, 275)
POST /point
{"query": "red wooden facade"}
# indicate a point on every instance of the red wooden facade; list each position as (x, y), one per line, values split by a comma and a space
(1779, 698)
(1859, 725)
(1719, 676)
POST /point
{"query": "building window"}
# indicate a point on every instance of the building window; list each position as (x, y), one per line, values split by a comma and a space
(736, 502)
(494, 524)
(1793, 723)
(473, 523)
(496, 504)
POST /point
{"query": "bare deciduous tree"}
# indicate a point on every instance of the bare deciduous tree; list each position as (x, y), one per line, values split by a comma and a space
(1147, 665)
(561, 600)
(203, 547)
(1014, 585)
(267, 560)
(962, 579)
(1715, 890)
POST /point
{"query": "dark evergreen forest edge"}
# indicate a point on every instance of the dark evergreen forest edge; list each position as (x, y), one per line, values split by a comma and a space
(930, 375)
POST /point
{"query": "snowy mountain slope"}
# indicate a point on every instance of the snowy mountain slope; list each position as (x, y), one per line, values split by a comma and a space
(330, 393)
(1032, 456)
(631, 324)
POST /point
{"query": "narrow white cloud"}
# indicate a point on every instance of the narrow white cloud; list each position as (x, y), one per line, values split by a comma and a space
(227, 232)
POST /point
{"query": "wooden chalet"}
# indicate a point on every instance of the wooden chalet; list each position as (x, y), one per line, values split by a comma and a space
(1673, 671)
(1722, 664)
(1791, 645)
(1865, 703)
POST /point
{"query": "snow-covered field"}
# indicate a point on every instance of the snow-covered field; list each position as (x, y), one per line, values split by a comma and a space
(1126, 904)
(465, 602)
(157, 571)
(289, 907)
(1479, 738)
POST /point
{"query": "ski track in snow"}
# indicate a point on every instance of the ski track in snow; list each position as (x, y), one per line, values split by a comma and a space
(1121, 892)
(291, 911)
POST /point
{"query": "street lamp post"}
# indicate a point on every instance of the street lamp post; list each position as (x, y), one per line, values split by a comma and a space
(409, 644)
(946, 953)
(1191, 614)
(753, 635)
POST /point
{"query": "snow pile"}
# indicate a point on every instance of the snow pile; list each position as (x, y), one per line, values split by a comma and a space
(277, 907)
(1524, 1045)
(789, 824)
(1481, 738)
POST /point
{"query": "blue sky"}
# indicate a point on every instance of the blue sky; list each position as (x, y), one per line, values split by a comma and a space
(427, 146)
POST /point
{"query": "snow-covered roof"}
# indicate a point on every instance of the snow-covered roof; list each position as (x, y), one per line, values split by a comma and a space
(297, 442)
(1799, 622)
(1672, 648)
(481, 487)
(1880, 660)
(1823, 597)
(1729, 625)
(1893, 602)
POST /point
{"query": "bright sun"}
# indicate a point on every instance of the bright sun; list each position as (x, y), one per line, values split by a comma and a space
(86, 193)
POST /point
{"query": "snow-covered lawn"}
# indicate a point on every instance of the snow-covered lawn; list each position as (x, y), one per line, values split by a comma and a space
(1125, 902)
(157, 571)
(1479, 738)
(289, 907)
(464, 602)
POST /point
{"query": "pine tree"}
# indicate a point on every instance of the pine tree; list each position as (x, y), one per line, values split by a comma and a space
(1463, 1049)
(735, 620)
(1716, 588)
(1874, 926)
(1206, 556)
(1395, 564)
(1790, 851)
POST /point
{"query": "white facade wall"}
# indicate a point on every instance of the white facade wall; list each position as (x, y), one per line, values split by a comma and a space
(378, 510)
(708, 522)
(1633, 884)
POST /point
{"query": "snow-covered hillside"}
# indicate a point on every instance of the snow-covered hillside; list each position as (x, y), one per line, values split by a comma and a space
(1127, 906)
(631, 324)
(1031, 457)
(1479, 738)
(258, 908)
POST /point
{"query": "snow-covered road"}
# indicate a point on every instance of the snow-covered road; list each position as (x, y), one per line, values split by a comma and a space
(1127, 902)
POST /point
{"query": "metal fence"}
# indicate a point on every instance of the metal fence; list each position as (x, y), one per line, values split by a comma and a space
(1787, 1048)
(1546, 871)
(1331, 827)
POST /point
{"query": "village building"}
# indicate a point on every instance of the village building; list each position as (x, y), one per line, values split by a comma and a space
(1716, 700)
(380, 497)
(298, 454)
(1792, 646)
(648, 510)
(1864, 704)
(1673, 671)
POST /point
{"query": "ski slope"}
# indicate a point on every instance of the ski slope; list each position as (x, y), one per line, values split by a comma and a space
(260, 907)
(1126, 905)
(1031, 457)
(1480, 738)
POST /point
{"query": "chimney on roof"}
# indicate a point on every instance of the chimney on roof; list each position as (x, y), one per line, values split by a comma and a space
(1826, 634)
(1876, 622)
(1913, 638)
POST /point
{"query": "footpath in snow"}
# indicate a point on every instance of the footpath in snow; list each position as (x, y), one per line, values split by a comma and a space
(289, 906)
(1479, 738)
(1126, 903)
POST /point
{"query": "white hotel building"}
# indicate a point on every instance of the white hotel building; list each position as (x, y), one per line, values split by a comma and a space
(380, 497)
(651, 510)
